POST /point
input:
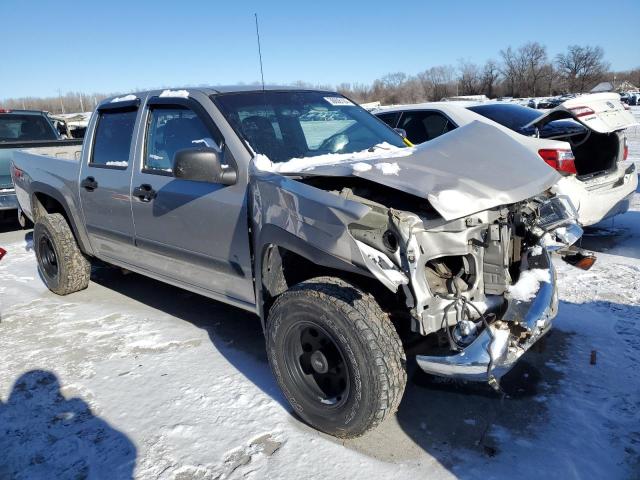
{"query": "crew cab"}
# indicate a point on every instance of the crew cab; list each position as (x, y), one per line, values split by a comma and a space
(582, 138)
(303, 208)
(22, 129)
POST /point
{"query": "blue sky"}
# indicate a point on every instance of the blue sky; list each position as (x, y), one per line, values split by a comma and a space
(117, 46)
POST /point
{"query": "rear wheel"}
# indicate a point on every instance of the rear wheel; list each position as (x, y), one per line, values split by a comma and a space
(336, 356)
(62, 265)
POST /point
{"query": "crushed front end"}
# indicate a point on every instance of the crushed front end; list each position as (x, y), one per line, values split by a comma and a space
(482, 287)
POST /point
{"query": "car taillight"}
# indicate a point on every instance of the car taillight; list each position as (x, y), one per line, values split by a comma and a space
(5, 110)
(3, 252)
(582, 111)
(626, 107)
(16, 172)
(625, 152)
(560, 160)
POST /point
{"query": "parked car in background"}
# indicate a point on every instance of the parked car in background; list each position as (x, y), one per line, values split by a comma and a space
(303, 208)
(582, 138)
(630, 98)
(22, 129)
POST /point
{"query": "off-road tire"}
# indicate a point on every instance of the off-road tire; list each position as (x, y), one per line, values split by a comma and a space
(72, 268)
(373, 354)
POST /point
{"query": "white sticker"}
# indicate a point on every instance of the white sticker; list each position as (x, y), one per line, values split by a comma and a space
(338, 101)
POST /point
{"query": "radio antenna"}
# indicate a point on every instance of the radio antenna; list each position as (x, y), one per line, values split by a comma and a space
(259, 50)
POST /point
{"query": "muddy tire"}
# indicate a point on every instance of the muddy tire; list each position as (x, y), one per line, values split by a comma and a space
(61, 264)
(336, 356)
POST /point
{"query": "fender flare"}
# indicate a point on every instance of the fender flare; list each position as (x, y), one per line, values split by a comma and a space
(274, 236)
(38, 187)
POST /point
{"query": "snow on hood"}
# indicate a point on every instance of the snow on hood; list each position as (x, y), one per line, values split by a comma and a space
(381, 151)
(468, 170)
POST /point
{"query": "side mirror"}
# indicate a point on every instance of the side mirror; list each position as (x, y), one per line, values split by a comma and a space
(401, 131)
(203, 165)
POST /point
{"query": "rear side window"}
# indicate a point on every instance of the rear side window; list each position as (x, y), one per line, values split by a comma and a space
(171, 129)
(509, 115)
(113, 138)
(389, 118)
(424, 126)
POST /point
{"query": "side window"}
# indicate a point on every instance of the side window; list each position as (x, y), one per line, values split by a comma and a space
(389, 118)
(424, 126)
(113, 138)
(170, 129)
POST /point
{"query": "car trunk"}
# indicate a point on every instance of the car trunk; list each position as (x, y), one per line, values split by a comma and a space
(597, 154)
(597, 150)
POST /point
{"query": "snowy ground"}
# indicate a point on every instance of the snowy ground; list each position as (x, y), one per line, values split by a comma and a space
(135, 378)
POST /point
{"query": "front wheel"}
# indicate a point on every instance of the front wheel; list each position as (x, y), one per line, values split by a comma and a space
(336, 356)
(61, 264)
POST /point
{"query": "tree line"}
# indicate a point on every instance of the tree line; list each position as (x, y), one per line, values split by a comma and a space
(525, 71)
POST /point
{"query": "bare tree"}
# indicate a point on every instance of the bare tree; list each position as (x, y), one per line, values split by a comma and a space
(534, 58)
(437, 82)
(490, 76)
(513, 70)
(581, 67)
(470, 79)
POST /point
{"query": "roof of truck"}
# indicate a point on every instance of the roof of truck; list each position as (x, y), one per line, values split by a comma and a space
(207, 90)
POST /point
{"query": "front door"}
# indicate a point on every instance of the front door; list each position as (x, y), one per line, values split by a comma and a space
(193, 232)
(105, 180)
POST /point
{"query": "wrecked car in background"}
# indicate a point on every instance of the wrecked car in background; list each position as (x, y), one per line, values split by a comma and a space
(305, 209)
(582, 138)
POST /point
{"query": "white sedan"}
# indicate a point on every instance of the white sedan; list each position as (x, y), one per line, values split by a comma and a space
(583, 139)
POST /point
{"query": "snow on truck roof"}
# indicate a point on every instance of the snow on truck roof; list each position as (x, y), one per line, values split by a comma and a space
(207, 90)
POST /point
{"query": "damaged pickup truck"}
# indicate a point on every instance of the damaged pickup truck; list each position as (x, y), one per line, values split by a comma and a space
(305, 209)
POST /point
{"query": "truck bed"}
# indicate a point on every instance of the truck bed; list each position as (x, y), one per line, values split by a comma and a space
(66, 152)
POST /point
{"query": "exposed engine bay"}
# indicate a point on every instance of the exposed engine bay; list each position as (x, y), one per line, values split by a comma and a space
(460, 278)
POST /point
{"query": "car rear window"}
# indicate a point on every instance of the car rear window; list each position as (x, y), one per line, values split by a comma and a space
(511, 116)
(113, 138)
(15, 127)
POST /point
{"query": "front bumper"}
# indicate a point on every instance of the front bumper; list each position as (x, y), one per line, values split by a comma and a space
(531, 319)
(8, 200)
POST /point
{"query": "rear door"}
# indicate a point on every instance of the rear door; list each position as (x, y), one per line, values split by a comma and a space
(601, 112)
(189, 231)
(105, 180)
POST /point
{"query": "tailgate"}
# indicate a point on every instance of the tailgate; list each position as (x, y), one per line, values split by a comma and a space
(601, 112)
(5, 166)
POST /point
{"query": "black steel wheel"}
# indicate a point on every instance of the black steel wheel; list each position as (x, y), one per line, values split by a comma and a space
(317, 363)
(336, 356)
(62, 266)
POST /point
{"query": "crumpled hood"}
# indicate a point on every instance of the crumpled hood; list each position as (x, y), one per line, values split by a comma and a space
(468, 170)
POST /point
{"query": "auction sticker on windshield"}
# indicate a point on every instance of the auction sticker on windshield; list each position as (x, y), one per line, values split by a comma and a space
(338, 101)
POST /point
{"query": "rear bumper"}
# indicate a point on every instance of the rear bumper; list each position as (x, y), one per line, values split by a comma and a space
(496, 352)
(8, 200)
(597, 203)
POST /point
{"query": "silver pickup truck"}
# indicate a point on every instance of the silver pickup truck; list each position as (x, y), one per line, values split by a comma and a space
(305, 209)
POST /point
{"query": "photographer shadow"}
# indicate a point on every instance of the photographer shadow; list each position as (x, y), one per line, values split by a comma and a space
(45, 435)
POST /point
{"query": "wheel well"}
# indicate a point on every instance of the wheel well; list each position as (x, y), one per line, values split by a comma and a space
(283, 268)
(46, 204)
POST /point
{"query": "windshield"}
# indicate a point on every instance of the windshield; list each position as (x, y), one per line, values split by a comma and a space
(299, 124)
(16, 127)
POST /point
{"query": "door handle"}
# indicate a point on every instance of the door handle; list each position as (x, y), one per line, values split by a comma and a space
(144, 192)
(89, 184)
